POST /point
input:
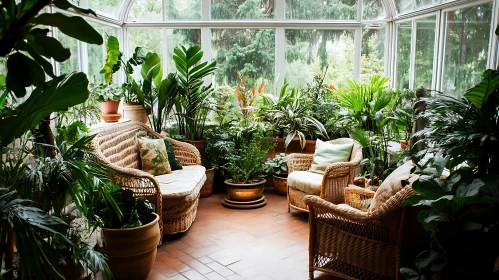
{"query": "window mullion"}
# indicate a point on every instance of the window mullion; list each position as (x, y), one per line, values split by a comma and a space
(412, 62)
(357, 53)
(280, 57)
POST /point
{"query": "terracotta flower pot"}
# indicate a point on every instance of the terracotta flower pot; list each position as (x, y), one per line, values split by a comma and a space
(245, 192)
(199, 144)
(207, 188)
(131, 251)
(403, 144)
(110, 106)
(134, 112)
(294, 146)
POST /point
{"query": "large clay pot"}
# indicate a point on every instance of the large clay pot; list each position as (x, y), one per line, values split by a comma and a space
(131, 251)
(294, 146)
(207, 188)
(134, 112)
(281, 184)
(245, 192)
(110, 106)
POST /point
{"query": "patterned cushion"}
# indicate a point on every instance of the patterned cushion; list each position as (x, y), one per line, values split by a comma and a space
(305, 181)
(154, 156)
(174, 163)
(328, 153)
(399, 178)
(181, 182)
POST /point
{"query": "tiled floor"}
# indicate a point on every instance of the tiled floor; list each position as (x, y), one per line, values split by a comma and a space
(264, 243)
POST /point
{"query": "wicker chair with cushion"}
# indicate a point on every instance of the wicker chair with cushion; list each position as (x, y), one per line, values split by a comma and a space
(329, 185)
(353, 240)
(175, 195)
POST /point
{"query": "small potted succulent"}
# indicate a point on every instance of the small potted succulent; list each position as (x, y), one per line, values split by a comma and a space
(110, 96)
(130, 234)
(278, 168)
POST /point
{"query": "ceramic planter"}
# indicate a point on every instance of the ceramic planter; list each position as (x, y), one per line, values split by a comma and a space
(134, 112)
(245, 192)
(281, 184)
(131, 251)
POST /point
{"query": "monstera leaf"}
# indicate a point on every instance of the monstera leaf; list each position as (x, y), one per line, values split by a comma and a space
(112, 59)
(57, 95)
(479, 94)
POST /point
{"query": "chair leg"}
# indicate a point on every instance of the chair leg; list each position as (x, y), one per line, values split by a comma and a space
(310, 274)
(289, 208)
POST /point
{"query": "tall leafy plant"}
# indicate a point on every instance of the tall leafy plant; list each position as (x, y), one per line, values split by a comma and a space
(462, 206)
(192, 103)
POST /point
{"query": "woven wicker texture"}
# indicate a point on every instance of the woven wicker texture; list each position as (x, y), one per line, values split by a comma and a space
(207, 188)
(115, 145)
(355, 244)
(336, 177)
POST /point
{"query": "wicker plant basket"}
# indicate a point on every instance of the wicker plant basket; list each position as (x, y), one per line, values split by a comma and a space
(280, 185)
(207, 188)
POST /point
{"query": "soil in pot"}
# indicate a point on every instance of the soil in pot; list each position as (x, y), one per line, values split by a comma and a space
(131, 252)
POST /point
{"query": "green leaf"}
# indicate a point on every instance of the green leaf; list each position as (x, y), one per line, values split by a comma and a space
(413, 199)
(432, 260)
(428, 187)
(49, 47)
(66, 5)
(429, 219)
(73, 26)
(479, 94)
(112, 58)
(23, 72)
(409, 273)
(151, 60)
(46, 65)
(58, 95)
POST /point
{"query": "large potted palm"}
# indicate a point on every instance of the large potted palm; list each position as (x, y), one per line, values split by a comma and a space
(193, 102)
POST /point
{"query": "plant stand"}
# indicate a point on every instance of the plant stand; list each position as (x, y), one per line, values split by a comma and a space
(262, 201)
(245, 196)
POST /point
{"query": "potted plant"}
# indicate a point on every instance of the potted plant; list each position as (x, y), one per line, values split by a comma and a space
(278, 169)
(244, 167)
(193, 103)
(246, 98)
(130, 234)
(109, 95)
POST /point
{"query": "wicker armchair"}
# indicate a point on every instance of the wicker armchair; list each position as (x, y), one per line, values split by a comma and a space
(331, 185)
(115, 145)
(350, 242)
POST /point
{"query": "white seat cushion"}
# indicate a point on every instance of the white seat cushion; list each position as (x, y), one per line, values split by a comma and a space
(181, 182)
(305, 181)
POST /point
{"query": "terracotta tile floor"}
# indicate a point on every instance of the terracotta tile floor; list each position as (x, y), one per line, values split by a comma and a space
(264, 243)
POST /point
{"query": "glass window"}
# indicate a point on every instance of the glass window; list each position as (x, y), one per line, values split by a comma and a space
(250, 51)
(109, 7)
(183, 37)
(242, 9)
(467, 34)
(373, 52)
(310, 51)
(425, 52)
(321, 9)
(403, 60)
(73, 63)
(404, 6)
(183, 10)
(97, 54)
(151, 40)
(373, 9)
(146, 10)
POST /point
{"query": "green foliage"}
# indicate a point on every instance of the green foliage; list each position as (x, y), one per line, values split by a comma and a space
(192, 103)
(276, 165)
(106, 92)
(113, 59)
(247, 161)
(133, 211)
(71, 133)
(58, 95)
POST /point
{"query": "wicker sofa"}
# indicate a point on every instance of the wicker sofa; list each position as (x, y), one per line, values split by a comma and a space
(175, 195)
(348, 241)
(329, 185)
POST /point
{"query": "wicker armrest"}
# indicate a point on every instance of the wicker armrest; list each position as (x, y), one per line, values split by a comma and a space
(325, 206)
(299, 162)
(357, 197)
(338, 169)
(186, 153)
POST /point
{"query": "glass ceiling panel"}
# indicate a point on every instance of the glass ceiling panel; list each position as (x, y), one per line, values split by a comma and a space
(106, 7)
(373, 10)
(321, 9)
(407, 6)
(146, 10)
(242, 9)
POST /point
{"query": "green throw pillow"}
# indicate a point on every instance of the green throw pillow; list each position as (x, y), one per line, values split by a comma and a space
(154, 156)
(174, 163)
(327, 153)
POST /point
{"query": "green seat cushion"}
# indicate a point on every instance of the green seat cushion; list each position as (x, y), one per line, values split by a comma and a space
(174, 163)
(328, 153)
